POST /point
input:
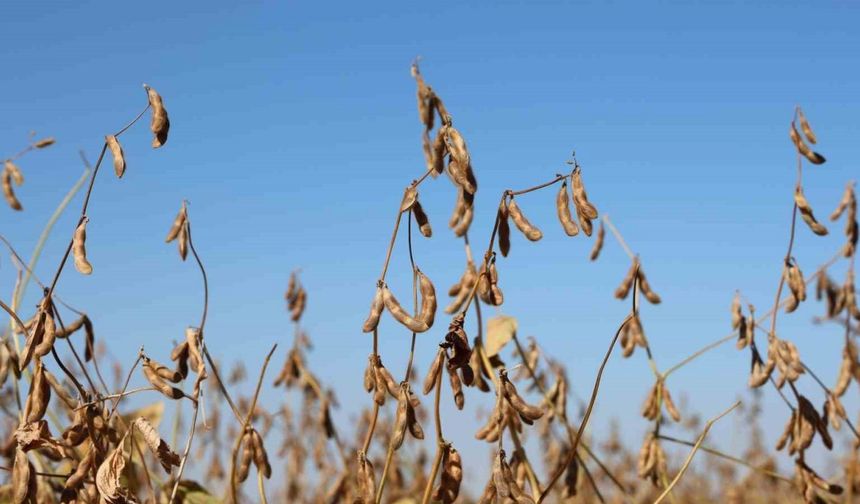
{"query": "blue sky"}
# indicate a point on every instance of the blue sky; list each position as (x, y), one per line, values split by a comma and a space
(294, 130)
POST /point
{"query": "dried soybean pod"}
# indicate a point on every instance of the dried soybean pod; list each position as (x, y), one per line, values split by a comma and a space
(376, 307)
(261, 458)
(803, 149)
(526, 227)
(806, 212)
(410, 196)
(44, 142)
(670, 406)
(23, 478)
(524, 409)
(10, 174)
(400, 314)
(805, 127)
(504, 228)
(500, 480)
(562, 206)
(79, 248)
(247, 458)
(39, 395)
(466, 220)
(160, 123)
(598, 242)
(585, 211)
(624, 289)
(848, 201)
(149, 370)
(178, 224)
(456, 387)
(400, 420)
(427, 315)
(434, 372)
(645, 287)
(459, 209)
(422, 220)
(118, 156)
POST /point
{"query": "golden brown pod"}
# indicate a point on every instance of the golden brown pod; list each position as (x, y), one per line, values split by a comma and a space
(160, 123)
(422, 220)
(598, 242)
(585, 210)
(23, 479)
(79, 248)
(456, 387)
(376, 307)
(624, 289)
(562, 206)
(400, 314)
(805, 127)
(11, 174)
(465, 220)
(806, 213)
(247, 457)
(452, 475)
(646, 289)
(433, 372)
(670, 405)
(400, 420)
(527, 228)
(150, 371)
(524, 409)
(178, 224)
(802, 148)
(44, 142)
(39, 395)
(118, 156)
(428, 300)
(261, 458)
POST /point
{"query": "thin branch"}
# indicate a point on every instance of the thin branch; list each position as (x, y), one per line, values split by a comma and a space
(693, 452)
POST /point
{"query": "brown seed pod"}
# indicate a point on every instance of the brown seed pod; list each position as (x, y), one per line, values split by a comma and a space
(44, 142)
(422, 220)
(160, 123)
(526, 410)
(562, 206)
(527, 228)
(39, 395)
(500, 480)
(400, 420)
(465, 220)
(23, 479)
(366, 480)
(806, 213)
(452, 475)
(427, 315)
(585, 211)
(670, 405)
(433, 372)
(645, 287)
(261, 458)
(178, 224)
(805, 127)
(456, 386)
(467, 283)
(504, 229)
(247, 457)
(118, 156)
(150, 371)
(624, 289)
(803, 149)
(797, 286)
(598, 242)
(11, 174)
(410, 196)
(400, 314)
(376, 307)
(79, 248)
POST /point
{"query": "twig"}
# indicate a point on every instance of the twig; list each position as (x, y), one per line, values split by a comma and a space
(693, 452)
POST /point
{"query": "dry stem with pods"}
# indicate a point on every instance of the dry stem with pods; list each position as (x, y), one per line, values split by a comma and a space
(103, 454)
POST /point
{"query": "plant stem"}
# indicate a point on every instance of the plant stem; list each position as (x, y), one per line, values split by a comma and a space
(693, 452)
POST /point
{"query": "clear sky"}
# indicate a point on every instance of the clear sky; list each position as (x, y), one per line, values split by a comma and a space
(294, 130)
